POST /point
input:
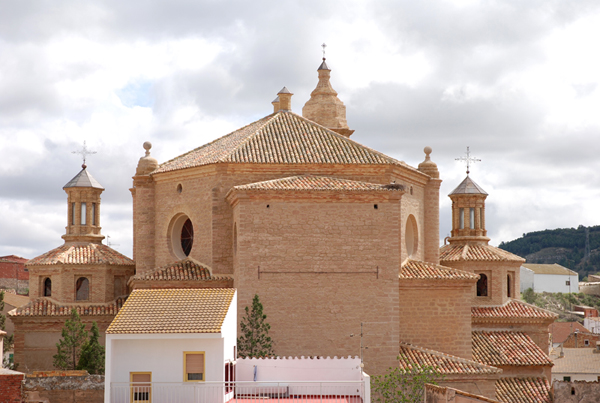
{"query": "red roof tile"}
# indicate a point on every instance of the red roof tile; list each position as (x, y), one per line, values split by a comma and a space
(48, 307)
(561, 330)
(82, 253)
(412, 356)
(523, 390)
(312, 183)
(476, 253)
(413, 269)
(186, 269)
(507, 348)
(511, 309)
(280, 138)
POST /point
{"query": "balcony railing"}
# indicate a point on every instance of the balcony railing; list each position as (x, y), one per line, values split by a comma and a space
(240, 392)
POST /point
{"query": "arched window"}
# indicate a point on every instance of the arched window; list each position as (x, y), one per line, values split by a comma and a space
(82, 289)
(482, 286)
(508, 285)
(47, 287)
(187, 237)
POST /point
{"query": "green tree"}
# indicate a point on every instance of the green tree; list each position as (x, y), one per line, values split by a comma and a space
(404, 385)
(255, 340)
(92, 353)
(69, 347)
(529, 296)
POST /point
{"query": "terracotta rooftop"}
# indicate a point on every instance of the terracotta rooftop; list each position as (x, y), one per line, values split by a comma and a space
(414, 269)
(523, 390)
(468, 186)
(49, 307)
(411, 356)
(561, 330)
(310, 182)
(16, 300)
(82, 253)
(186, 269)
(173, 311)
(575, 361)
(280, 138)
(476, 252)
(512, 309)
(507, 348)
(549, 269)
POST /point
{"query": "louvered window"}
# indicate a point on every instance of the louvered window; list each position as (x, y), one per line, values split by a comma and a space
(141, 387)
(194, 366)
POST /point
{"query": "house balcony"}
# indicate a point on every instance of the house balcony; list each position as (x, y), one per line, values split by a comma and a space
(241, 392)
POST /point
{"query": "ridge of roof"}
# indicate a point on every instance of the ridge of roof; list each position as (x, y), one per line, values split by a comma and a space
(511, 309)
(83, 179)
(468, 186)
(281, 138)
(415, 269)
(454, 252)
(524, 390)
(45, 306)
(315, 182)
(173, 310)
(81, 253)
(510, 348)
(186, 269)
(411, 356)
(553, 268)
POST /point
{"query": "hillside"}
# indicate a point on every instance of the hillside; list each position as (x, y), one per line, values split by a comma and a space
(578, 249)
(560, 303)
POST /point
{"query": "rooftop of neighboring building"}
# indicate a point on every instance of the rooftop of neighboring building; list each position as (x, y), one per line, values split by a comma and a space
(549, 269)
(13, 258)
(575, 361)
(15, 300)
(561, 330)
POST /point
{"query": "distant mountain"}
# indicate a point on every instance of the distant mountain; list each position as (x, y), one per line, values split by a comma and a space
(578, 249)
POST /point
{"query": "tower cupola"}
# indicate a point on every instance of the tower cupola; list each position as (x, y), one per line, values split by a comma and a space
(324, 107)
(468, 213)
(83, 221)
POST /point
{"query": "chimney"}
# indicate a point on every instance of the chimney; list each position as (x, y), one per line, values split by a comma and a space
(275, 103)
(285, 100)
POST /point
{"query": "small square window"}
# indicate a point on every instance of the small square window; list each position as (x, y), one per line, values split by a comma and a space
(567, 378)
(193, 362)
(586, 342)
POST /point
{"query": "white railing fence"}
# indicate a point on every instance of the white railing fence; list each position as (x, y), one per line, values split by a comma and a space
(238, 392)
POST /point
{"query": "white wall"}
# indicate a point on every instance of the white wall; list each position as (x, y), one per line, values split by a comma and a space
(592, 324)
(229, 330)
(555, 283)
(299, 369)
(576, 377)
(526, 278)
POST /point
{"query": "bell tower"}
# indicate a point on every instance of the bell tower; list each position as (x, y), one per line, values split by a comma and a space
(468, 213)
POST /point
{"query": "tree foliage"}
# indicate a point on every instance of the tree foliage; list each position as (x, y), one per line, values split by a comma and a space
(254, 340)
(74, 336)
(404, 385)
(92, 353)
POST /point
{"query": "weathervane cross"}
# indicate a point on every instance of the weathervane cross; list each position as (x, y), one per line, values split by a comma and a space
(83, 152)
(323, 46)
(468, 159)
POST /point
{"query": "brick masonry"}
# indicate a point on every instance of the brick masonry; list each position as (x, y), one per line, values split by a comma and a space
(66, 389)
(10, 386)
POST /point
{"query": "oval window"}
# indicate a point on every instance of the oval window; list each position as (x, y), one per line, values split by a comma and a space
(187, 237)
(181, 236)
(412, 236)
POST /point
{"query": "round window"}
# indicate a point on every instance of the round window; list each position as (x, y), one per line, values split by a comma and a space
(181, 236)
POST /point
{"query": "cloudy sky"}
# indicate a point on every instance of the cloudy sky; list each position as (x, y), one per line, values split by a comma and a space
(516, 81)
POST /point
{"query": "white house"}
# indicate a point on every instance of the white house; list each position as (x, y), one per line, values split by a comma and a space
(549, 278)
(163, 337)
(575, 364)
(592, 324)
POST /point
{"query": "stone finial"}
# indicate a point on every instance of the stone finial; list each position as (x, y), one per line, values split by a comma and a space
(275, 104)
(324, 107)
(428, 166)
(285, 99)
(147, 163)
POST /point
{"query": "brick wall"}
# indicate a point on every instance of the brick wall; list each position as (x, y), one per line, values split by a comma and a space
(13, 269)
(10, 386)
(575, 392)
(578, 340)
(66, 389)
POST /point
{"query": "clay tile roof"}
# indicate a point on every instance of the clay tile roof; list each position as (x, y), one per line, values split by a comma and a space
(575, 361)
(186, 269)
(476, 252)
(310, 182)
(561, 330)
(511, 309)
(83, 179)
(82, 253)
(281, 138)
(523, 390)
(549, 269)
(414, 269)
(411, 356)
(49, 307)
(468, 186)
(507, 348)
(173, 311)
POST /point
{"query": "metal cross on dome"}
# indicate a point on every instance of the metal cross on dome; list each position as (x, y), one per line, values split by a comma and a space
(468, 159)
(323, 46)
(83, 152)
